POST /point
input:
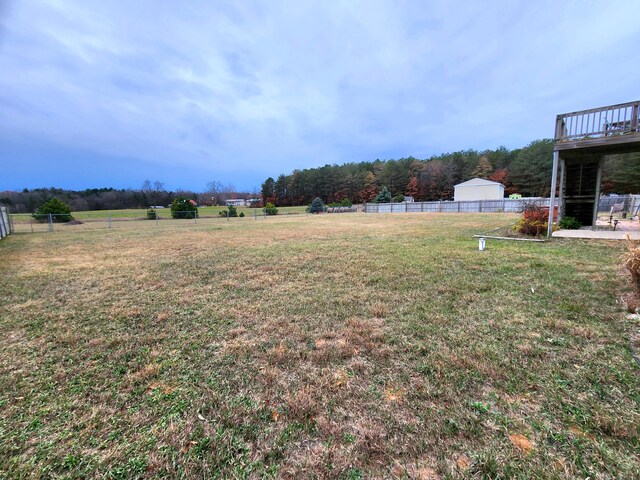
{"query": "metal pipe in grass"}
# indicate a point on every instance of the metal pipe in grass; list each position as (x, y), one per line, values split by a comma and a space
(510, 238)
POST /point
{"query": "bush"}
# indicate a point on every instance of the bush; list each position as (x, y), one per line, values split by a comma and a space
(151, 214)
(182, 207)
(345, 202)
(61, 212)
(398, 198)
(569, 223)
(384, 196)
(231, 211)
(241, 214)
(534, 220)
(270, 209)
(316, 206)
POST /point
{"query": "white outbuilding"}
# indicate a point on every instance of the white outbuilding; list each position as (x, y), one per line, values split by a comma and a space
(478, 189)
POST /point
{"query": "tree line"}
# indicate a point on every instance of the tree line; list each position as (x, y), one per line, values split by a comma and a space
(526, 171)
(149, 194)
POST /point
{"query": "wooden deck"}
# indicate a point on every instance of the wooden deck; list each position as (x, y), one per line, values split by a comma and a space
(605, 130)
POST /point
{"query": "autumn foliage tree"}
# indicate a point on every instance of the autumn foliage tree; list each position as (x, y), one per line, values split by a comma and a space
(413, 189)
(502, 176)
(370, 190)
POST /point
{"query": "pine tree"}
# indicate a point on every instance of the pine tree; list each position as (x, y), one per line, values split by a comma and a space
(483, 169)
(317, 206)
(384, 196)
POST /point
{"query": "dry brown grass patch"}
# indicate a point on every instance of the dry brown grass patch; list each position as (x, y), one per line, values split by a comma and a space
(394, 394)
(162, 387)
(148, 371)
(301, 404)
(379, 310)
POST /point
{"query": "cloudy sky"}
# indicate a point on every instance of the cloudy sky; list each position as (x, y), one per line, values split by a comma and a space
(109, 93)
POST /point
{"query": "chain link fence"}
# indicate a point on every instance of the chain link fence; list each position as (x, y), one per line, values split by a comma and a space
(628, 204)
(33, 223)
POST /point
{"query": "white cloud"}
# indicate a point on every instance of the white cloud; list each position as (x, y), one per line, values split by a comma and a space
(272, 86)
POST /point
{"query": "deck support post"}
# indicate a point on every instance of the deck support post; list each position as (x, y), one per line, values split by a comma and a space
(597, 199)
(561, 182)
(552, 196)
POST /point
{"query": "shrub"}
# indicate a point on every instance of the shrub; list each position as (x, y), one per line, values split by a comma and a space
(61, 212)
(384, 196)
(569, 223)
(182, 207)
(316, 206)
(270, 209)
(345, 202)
(534, 220)
(631, 260)
(230, 212)
(151, 214)
(241, 214)
(398, 198)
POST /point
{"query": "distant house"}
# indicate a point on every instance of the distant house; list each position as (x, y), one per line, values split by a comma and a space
(193, 202)
(409, 199)
(236, 202)
(478, 189)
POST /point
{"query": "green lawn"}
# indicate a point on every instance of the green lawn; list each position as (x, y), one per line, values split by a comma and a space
(163, 213)
(302, 346)
(166, 212)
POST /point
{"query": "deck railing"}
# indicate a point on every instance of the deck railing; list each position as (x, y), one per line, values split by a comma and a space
(600, 122)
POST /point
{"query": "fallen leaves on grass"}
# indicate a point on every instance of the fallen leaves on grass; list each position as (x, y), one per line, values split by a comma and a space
(521, 442)
(463, 462)
(394, 394)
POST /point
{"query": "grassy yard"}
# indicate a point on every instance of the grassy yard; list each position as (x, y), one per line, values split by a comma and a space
(333, 346)
(163, 213)
(166, 212)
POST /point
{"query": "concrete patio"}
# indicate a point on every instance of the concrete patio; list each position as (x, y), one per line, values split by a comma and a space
(625, 229)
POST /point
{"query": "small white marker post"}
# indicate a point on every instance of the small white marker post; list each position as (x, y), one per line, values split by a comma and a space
(481, 244)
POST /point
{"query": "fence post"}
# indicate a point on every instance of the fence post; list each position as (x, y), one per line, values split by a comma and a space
(51, 222)
(440, 206)
(480, 206)
(109, 220)
(255, 213)
(156, 216)
(195, 217)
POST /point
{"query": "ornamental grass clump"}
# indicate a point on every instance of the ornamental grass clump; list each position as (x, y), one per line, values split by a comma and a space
(631, 260)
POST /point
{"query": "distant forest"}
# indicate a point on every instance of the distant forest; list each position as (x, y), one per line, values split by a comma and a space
(525, 170)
